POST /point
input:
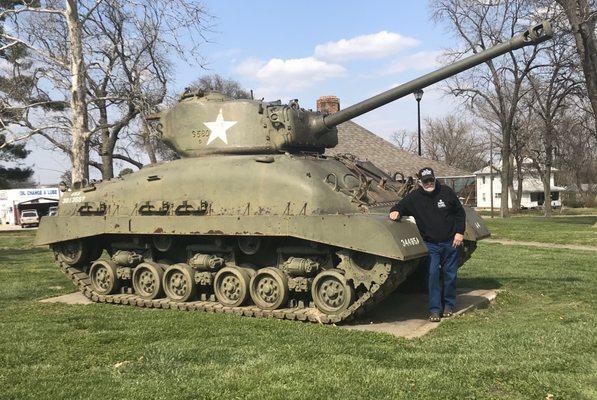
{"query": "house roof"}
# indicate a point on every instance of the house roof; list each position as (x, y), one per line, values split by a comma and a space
(39, 200)
(367, 146)
(485, 170)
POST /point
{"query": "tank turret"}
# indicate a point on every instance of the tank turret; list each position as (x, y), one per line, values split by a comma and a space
(211, 123)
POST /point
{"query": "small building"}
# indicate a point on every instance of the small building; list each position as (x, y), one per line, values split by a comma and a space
(14, 201)
(533, 195)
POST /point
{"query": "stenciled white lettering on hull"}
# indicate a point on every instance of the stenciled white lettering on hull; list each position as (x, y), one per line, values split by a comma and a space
(75, 197)
(413, 241)
(218, 128)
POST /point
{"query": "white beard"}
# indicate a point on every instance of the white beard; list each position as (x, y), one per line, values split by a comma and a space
(428, 190)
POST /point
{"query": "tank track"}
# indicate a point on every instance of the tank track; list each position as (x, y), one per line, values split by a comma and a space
(365, 302)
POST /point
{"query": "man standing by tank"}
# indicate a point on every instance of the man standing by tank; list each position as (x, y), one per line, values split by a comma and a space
(440, 218)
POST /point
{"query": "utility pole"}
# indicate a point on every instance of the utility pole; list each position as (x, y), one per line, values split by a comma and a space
(418, 96)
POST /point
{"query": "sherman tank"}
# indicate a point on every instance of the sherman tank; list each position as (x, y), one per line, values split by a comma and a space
(253, 219)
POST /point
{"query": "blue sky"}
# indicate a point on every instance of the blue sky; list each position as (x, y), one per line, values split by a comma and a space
(303, 50)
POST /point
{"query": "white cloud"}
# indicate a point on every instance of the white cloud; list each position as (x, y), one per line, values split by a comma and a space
(277, 75)
(420, 61)
(306, 69)
(249, 67)
(376, 45)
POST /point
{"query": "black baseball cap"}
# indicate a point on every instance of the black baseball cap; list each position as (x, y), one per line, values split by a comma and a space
(426, 175)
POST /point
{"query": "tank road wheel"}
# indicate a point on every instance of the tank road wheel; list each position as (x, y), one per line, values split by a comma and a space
(269, 288)
(103, 277)
(74, 252)
(231, 286)
(331, 293)
(147, 280)
(162, 243)
(249, 244)
(179, 282)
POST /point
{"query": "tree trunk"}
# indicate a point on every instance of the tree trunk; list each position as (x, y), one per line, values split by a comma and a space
(517, 198)
(107, 162)
(547, 191)
(149, 147)
(505, 173)
(105, 151)
(80, 128)
(546, 176)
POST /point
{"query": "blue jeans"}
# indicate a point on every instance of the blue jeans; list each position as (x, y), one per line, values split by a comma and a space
(447, 256)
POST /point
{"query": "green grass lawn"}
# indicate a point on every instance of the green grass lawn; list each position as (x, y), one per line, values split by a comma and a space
(538, 212)
(568, 230)
(537, 339)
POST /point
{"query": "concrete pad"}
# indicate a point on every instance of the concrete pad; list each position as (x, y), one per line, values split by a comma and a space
(402, 315)
(71, 298)
(406, 315)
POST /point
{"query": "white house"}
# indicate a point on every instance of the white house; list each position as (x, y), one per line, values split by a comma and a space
(532, 189)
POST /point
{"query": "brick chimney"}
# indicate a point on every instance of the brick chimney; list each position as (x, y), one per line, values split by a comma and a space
(328, 104)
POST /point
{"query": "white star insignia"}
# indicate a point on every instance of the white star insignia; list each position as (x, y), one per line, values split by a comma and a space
(218, 128)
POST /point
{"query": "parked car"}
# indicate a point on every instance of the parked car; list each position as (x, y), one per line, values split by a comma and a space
(53, 211)
(29, 218)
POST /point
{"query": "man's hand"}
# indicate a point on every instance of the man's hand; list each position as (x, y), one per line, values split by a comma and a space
(458, 238)
(394, 215)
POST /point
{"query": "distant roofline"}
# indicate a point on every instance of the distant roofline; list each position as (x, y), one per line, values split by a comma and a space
(416, 161)
(456, 176)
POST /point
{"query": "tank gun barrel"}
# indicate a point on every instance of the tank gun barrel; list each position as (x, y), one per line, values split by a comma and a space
(532, 36)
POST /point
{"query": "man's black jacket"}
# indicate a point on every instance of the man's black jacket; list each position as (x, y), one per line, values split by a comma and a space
(439, 214)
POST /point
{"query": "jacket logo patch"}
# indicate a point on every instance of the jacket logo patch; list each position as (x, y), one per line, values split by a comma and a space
(441, 204)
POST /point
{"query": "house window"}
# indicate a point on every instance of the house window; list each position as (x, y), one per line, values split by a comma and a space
(555, 195)
(539, 197)
(483, 196)
(498, 195)
(483, 180)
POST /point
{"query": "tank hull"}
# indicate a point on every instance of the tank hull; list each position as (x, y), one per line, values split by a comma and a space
(323, 250)
(373, 233)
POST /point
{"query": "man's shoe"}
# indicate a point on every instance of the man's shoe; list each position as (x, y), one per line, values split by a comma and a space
(434, 317)
(448, 312)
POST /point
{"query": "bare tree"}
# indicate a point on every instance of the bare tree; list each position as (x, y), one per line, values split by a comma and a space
(492, 91)
(129, 81)
(551, 88)
(405, 140)
(103, 66)
(582, 16)
(451, 140)
(576, 154)
(22, 88)
(217, 83)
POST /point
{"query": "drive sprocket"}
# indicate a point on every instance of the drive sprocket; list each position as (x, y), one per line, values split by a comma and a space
(363, 268)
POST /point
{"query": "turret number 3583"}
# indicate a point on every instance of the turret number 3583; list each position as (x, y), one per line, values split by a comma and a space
(413, 241)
